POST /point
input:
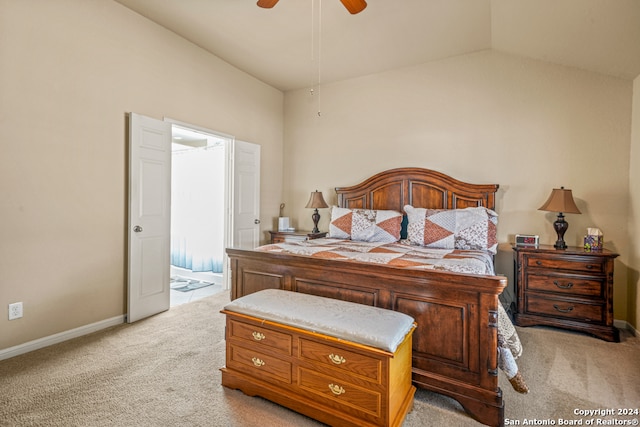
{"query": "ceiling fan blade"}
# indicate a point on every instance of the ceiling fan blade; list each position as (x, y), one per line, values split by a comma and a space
(354, 6)
(267, 4)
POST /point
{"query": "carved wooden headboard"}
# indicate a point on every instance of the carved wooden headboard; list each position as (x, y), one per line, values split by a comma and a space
(421, 188)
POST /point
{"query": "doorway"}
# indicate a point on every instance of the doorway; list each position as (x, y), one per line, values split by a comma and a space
(149, 210)
(198, 183)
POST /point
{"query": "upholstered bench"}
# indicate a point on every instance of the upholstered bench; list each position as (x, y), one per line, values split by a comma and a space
(341, 363)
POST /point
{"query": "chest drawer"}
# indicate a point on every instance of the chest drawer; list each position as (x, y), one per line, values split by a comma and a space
(343, 360)
(339, 393)
(258, 364)
(565, 285)
(564, 308)
(586, 264)
(257, 337)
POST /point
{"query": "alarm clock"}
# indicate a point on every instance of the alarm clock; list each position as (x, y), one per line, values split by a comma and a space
(526, 240)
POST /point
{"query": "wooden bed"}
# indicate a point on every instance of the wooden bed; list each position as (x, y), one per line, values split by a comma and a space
(455, 343)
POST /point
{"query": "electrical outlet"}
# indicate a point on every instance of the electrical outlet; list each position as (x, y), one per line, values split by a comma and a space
(15, 310)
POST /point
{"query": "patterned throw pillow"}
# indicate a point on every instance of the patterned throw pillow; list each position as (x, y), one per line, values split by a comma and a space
(365, 225)
(469, 228)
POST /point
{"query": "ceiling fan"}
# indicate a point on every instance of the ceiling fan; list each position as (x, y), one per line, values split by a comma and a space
(353, 6)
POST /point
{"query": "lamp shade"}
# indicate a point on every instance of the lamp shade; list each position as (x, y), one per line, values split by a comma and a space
(560, 200)
(316, 201)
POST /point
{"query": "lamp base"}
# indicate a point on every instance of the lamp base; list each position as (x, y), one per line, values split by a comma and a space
(560, 244)
(315, 217)
(560, 225)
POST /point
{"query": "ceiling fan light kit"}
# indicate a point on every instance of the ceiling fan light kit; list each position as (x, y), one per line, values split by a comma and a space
(353, 6)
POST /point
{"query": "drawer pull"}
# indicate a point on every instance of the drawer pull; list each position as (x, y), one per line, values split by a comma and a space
(337, 359)
(538, 263)
(258, 336)
(569, 285)
(336, 389)
(563, 310)
(589, 266)
(257, 362)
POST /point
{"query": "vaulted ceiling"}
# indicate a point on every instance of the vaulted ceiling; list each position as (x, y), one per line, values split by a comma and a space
(300, 42)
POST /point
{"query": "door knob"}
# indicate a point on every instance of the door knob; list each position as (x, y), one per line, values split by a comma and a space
(256, 221)
(137, 229)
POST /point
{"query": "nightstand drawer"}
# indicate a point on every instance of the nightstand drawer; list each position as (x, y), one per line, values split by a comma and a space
(294, 236)
(565, 285)
(563, 308)
(584, 265)
(284, 238)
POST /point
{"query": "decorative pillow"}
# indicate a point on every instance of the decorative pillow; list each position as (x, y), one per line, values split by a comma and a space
(470, 228)
(365, 225)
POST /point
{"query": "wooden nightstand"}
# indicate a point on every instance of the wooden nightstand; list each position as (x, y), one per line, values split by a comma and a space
(294, 236)
(566, 288)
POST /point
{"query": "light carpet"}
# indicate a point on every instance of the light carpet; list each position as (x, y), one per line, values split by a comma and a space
(164, 371)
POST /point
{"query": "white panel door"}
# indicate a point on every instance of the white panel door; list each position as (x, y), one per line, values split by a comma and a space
(246, 195)
(149, 217)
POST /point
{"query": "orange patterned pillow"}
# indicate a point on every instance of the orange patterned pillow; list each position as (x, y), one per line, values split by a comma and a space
(469, 228)
(365, 225)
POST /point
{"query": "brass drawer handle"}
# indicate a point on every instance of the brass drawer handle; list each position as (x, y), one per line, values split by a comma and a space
(258, 336)
(338, 360)
(563, 310)
(257, 362)
(569, 285)
(336, 389)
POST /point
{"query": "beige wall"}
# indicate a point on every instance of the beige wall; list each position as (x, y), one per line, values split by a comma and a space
(71, 70)
(69, 73)
(634, 212)
(486, 117)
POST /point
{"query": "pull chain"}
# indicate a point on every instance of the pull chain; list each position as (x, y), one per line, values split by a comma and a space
(316, 55)
(319, 52)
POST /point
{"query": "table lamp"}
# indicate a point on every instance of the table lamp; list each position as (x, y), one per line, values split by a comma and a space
(561, 201)
(316, 201)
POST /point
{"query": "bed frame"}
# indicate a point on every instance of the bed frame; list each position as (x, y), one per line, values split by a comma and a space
(455, 343)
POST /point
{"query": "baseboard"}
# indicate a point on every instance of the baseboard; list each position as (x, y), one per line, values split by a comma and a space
(623, 324)
(59, 337)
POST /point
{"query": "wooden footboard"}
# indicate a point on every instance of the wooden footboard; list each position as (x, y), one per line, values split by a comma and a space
(455, 343)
